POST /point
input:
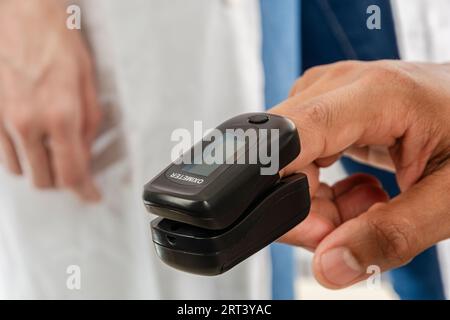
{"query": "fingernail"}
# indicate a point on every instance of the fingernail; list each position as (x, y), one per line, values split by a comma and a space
(339, 266)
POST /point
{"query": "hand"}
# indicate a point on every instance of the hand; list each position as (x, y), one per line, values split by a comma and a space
(48, 107)
(387, 113)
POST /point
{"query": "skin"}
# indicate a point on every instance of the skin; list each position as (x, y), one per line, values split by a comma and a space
(390, 114)
(49, 112)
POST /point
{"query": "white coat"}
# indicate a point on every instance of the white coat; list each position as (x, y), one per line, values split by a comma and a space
(423, 30)
(161, 65)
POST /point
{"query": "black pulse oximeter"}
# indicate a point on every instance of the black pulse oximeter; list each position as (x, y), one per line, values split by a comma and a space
(213, 216)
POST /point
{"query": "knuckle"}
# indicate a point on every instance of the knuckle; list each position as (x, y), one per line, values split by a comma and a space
(21, 122)
(70, 63)
(313, 71)
(394, 237)
(296, 87)
(391, 72)
(342, 67)
(379, 73)
(59, 121)
(319, 113)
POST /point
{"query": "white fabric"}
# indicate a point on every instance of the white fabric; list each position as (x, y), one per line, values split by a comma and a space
(161, 64)
(423, 30)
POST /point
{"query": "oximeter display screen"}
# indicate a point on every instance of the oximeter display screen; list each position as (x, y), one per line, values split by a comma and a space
(200, 169)
(214, 155)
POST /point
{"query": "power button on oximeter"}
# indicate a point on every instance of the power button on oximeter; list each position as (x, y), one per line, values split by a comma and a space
(258, 119)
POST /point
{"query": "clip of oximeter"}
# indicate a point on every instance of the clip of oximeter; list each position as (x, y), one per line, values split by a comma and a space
(213, 216)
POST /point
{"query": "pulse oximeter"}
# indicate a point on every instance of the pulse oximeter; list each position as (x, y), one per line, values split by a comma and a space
(213, 216)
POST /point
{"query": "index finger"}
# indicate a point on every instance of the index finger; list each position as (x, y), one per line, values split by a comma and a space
(330, 123)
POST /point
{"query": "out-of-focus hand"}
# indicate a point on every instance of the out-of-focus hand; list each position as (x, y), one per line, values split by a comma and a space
(48, 107)
(388, 113)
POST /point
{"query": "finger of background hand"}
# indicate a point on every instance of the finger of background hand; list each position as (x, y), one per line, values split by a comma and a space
(25, 130)
(70, 156)
(10, 158)
(387, 235)
(71, 167)
(38, 161)
(92, 111)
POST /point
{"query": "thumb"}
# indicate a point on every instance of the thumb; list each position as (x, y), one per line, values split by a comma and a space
(388, 235)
